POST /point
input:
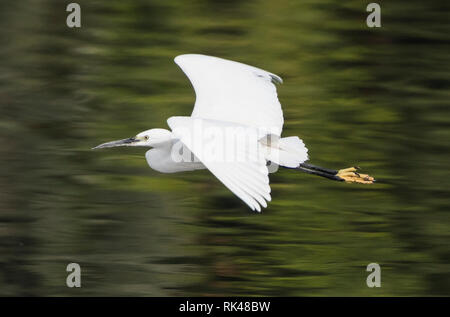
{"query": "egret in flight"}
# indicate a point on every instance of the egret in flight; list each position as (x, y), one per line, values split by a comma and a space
(234, 132)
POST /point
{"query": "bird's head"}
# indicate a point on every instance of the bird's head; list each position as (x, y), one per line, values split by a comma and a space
(148, 138)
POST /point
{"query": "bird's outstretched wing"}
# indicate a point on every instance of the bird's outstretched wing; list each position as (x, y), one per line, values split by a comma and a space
(248, 178)
(233, 92)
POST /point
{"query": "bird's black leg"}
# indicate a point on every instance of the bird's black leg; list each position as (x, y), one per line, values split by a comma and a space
(323, 173)
(349, 175)
(318, 168)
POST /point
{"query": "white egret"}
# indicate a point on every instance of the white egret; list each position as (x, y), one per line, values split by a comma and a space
(230, 97)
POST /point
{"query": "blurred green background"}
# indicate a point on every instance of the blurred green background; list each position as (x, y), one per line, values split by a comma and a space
(373, 97)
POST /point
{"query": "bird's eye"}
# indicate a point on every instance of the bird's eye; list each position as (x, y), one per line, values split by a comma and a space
(146, 137)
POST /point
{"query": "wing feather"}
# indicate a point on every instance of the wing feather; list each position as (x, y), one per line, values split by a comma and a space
(234, 92)
(248, 179)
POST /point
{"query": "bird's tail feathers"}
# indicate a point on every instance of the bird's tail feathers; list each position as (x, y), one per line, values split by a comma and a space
(290, 152)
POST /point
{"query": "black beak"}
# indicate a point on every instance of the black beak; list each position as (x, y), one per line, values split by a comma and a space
(124, 142)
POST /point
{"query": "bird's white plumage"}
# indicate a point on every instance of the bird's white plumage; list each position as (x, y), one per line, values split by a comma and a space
(234, 92)
(248, 179)
(228, 95)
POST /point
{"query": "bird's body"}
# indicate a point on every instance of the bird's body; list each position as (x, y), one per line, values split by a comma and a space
(160, 159)
(234, 131)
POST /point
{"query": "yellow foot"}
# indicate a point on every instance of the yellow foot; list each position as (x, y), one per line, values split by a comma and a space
(350, 175)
